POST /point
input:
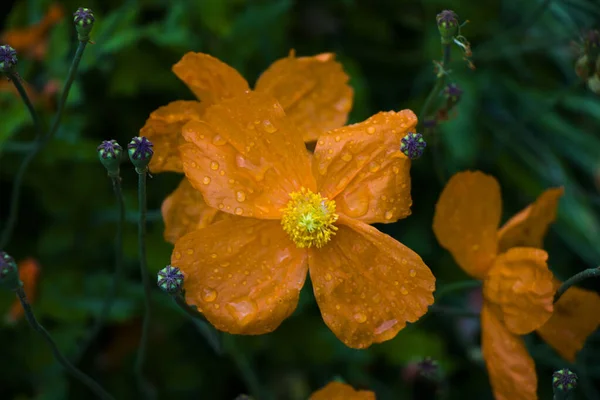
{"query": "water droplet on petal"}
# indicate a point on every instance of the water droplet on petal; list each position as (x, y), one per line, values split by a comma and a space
(244, 311)
(374, 167)
(395, 169)
(240, 196)
(238, 211)
(360, 318)
(213, 255)
(328, 277)
(346, 157)
(218, 140)
(413, 273)
(338, 138)
(388, 215)
(370, 130)
(268, 126)
(214, 165)
(209, 295)
(403, 290)
(206, 180)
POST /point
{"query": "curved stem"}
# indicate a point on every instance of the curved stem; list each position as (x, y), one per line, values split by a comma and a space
(439, 84)
(144, 385)
(118, 272)
(41, 142)
(576, 279)
(16, 80)
(206, 330)
(454, 287)
(83, 378)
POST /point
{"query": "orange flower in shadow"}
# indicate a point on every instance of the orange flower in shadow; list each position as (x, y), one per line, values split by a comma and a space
(313, 91)
(32, 42)
(518, 287)
(341, 391)
(290, 213)
(29, 273)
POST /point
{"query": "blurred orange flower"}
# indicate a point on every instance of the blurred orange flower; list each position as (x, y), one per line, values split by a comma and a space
(341, 391)
(289, 213)
(32, 41)
(313, 91)
(518, 287)
(29, 272)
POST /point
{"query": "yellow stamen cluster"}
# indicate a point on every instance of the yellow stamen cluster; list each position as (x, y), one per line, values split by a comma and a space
(308, 219)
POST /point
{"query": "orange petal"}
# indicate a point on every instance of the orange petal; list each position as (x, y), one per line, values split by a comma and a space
(243, 274)
(313, 91)
(341, 391)
(163, 129)
(466, 218)
(510, 367)
(246, 157)
(521, 285)
(575, 317)
(210, 79)
(361, 166)
(368, 285)
(29, 272)
(528, 227)
(184, 211)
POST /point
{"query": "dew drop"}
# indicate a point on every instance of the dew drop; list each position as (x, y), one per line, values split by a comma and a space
(209, 295)
(370, 130)
(193, 164)
(374, 167)
(268, 126)
(388, 215)
(238, 211)
(190, 251)
(206, 180)
(346, 157)
(221, 206)
(337, 307)
(395, 169)
(213, 255)
(413, 273)
(403, 290)
(360, 318)
(338, 138)
(240, 196)
(214, 165)
(218, 140)
(177, 255)
(328, 277)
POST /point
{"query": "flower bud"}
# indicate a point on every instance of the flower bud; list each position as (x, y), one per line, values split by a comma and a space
(109, 153)
(564, 380)
(84, 22)
(582, 67)
(447, 22)
(8, 58)
(9, 272)
(140, 153)
(413, 145)
(170, 279)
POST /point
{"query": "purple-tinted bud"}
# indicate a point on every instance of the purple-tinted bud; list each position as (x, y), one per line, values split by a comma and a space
(84, 22)
(170, 279)
(8, 58)
(453, 92)
(429, 368)
(413, 145)
(109, 153)
(447, 22)
(140, 153)
(9, 272)
(564, 380)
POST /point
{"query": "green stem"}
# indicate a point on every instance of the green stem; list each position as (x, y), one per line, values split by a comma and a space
(244, 367)
(454, 287)
(437, 88)
(41, 142)
(83, 378)
(117, 274)
(206, 330)
(143, 383)
(16, 80)
(576, 279)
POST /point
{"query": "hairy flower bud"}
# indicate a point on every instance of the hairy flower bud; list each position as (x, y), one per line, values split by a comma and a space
(109, 153)
(447, 22)
(413, 145)
(8, 58)
(140, 153)
(84, 22)
(9, 272)
(564, 380)
(170, 279)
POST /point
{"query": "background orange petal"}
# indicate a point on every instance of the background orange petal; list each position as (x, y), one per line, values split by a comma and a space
(368, 285)
(361, 166)
(313, 91)
(341, 391)
(245, 157)
(29, 273)
(210, 79)
(528, 227)
(521, 285)
(510, 367)
(163, 129)
(243, 274)
(184, 211)
(575, 317)
(466, 218)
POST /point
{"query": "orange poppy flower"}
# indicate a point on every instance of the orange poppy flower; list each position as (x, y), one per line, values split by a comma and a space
(313, 91)
(575, 315)
(518, 287)
(289, 215)
(341, 391)
(33, 40)
(29, 272)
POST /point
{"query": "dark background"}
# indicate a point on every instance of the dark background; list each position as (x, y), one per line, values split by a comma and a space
(525, 117)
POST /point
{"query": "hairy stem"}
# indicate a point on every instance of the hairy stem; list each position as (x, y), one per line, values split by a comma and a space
(16, 80)
(576, 279)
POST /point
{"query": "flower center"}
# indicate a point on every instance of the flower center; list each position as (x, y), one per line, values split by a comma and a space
(308, 219)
